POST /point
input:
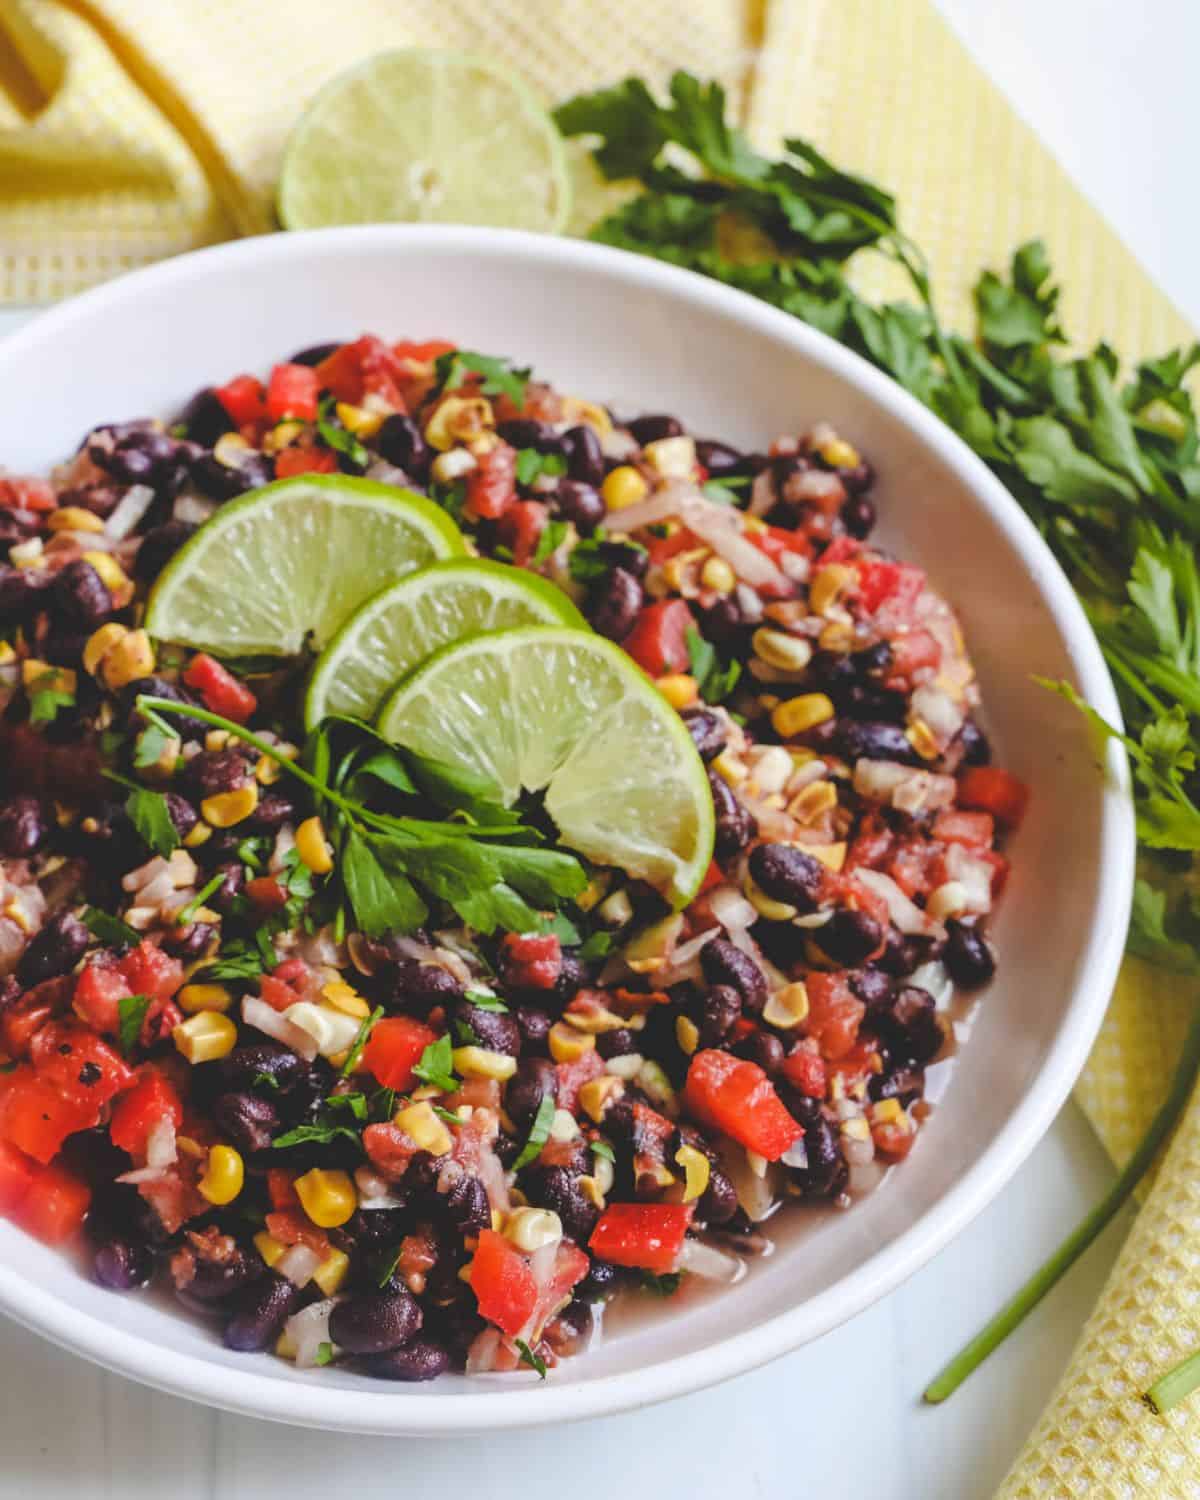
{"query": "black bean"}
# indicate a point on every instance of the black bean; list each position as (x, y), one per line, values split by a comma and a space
(314, 354)
(617, 1043)
(260, 1311)
(976, 751)
(272, 811)
(788, 875)
(231, 887)
(858, 515)
(375, 1322)
(585, 457)
(968, 956)
(214, 772)
(535, 1024)
(419, 987)
(633, 559)
(244, 1065)
(421, 1359)
(205, 418)
(80, 594)
(714, 1012)
(762, 1048)
(912, 1025)
(249, 1120)
(400, 442)
(826, 1173)
(653, 428)
(581, 503)
(718, 458)
(494, 1030)
(557, 1188)
(859, 479)
(183, 815)
(24, 827)
(214, 1281)
(875, 660)
(724, 963)
(192, 942)
(600, 1282)
(873, 987)
(861, 739)
(160, 687)
(707, 731)
(521, 432)
(833, 671)
(159, 546)
(18, 525)
(718, 1203)
(122, 1264)
(736, 825)
(375, 1229)
(226, 481)
(535, 1079)
(614, 603)
(849, 937)
(467, 1205)
(55, 950)
(723, 621)
(904, 1083)
(22, 590)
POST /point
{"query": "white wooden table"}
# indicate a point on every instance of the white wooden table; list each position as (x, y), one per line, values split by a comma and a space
(1109, 86)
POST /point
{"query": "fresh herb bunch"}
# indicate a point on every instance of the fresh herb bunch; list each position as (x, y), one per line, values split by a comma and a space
(1108, 468)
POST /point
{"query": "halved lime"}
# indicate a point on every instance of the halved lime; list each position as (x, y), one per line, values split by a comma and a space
(294, 559)
(567, 712)
(397, 629)
(425, 137)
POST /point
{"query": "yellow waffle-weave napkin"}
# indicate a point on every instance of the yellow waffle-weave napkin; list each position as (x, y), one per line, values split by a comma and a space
(134, 129)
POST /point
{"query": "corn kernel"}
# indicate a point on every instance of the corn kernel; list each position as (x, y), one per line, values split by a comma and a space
(764, 905)
(673, 457)
(598, 1093)
(788, 653)
(696, 1172)
(223, 1177)
(285, 1346)
(754, 526)
(458, 419)
(717, 575)
(787, 1007)
(269, 1247)
(812, 801)
(205, 1037)
(592, 1191)
(194, 998)
(920, 737)
(679, 689)
(229, 449)
(828, 587)
(331, 1274)
(839, 454)
(886, 1112)
(41, 675)
(216, 739)
(799, 714)
(327, 1197)
(131, 658)
(112, 575)
(74, 518)
(856, 1129)
(27, 554)
(948, 900)
(616, 910)
(687, 1034)
(345, 997)
(587, 1014)
(575, 410)
(531, 1229)
(838, 635)
(447, 467)
(200, 834)
(567, 1044)
(267, 771)
(481, 1062)
(228, 808)
(730, 769)
(832, 856)
(594, 892)
(313, 847)
(420, 1122)
(623, 487)
(358, 420)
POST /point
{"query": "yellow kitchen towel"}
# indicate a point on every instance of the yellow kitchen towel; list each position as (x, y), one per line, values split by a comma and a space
(135, 129)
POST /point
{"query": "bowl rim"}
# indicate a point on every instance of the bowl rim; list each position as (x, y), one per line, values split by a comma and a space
(563, 1399)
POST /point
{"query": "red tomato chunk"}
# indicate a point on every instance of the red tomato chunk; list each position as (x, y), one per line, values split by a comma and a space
(394, 1048)
(222, 693)
(503, 1283)
(646, 1236)
(736, 1096)
(991, 790)
(658, 640)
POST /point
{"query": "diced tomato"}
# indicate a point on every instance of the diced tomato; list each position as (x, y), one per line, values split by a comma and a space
(153, 1098)
(913, 651)
(742, 1028)
(805, 1070)
(776, 541)
(17, 1172)
(893, 1138)
(394, 1048)
(55, 1206)
(20, 493)
(834, 1013)
(281, 1189)
(98, 992)
(147, 970)
(974, 829)
(531, 961)
(222, 693)
(292, 461)
(503, 1283)
(36, 1118)
(737, 1097)
(855, 1066)
(79, 1065)
(492, 483)
(872, 845)
(661, 548)
(573, 1075)
(244, 400)
(989, 789)
(841, 550)
(658, 640)
(292, 971)
(521, 526)
(883, 582)
(292, 392)
(292, 1226)
(646, 1236)
(423, 353)
(713, 876)
(571, 1265)
(266, 894)
(365, 366)
(279, 996)
(913, 865)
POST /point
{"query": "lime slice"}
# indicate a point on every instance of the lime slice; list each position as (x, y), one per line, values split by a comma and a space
(293, 559)
(425, 137)
(567, 712)
(397, 629)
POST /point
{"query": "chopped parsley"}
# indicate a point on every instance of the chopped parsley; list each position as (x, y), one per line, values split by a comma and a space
(131, 1016)
(360, 1041)
(499, 378)
(110, 930)
(534, 1361)
(539, 1133)
(47, 694)
(436, 1065)
(550, 540)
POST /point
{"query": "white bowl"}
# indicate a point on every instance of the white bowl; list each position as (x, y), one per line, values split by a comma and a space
(644, 336)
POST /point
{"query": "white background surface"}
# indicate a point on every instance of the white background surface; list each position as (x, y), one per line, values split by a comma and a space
(1109, 86)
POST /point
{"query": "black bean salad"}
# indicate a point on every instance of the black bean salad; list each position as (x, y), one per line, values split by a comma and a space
(353, 1053)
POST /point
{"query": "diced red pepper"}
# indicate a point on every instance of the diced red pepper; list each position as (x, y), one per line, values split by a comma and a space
(531, 961)
(503, 1283)
(989, 789)
(244, 400)
(834, 1013)
(841, 549)
(492, 483)
(99, 990)
(222, 693)
(805, 1070)
(54, 1208)
(292, 461)
(266, 894)
(18, 492)
(292, 1226)
(777, 541)
(36, 1118)
(661, 548)
(147, 970)
(366, 365)
(894, 1138)
(658, 640)
(521, 527)
(152, 1099)
(573, 1075)
(736, 1096)
(646, 1236)
(912, 652)
(74, 1060)
(17, 1172)
(881, 581)
(912, 865)
(394, 1048)
(975, 830)
(278, 995)
(423, 353)
(292, 392)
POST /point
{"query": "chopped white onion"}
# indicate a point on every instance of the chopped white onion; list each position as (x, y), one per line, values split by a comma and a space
(973, 874)
(714, 1265)
(721, 529)
(481, 1357)
(144, 1174)
(309, 1329)
(796, 1155)
(762, 493)
(266, 1018)
(731, 908)
(939, 711)
(297, 1263)
(128, 511)
(905, 914)
(383, 472)
(161, 1149)
(685, 961)
(663, 505)
(933, 978)
(756, 1195)
(192, 508)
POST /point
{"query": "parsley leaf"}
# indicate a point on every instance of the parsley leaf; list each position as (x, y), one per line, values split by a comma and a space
(336, 436)
(436, 1065)
(483, 1000)
(539, 1133)
(499, 378)
(590, 558)
(149, 746)
(47, 694)
(549, 540)
(324, 1354)
(150, 815)
(131, 1013)
(531, 465)
(715, 681)
(110, 930)
(186, 913)
(320, 1133)
(602, 1148)
(360, 1041)
(661, 1286)
(382, 901)
(598, 945)
(534, 1361)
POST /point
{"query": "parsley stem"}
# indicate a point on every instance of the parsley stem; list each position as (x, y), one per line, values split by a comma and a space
(989, 1338)
(1175, 1386)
